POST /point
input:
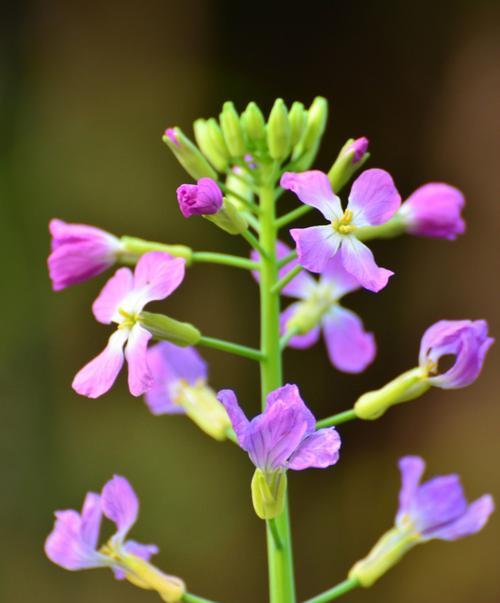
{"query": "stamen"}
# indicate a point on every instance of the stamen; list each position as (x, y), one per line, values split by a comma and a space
(343, 225)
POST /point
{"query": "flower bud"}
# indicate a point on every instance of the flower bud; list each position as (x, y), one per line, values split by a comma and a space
(165, 328)
(351, 158)
(268, 493)
(238, 182)
(232, 130)
(407, 386)
(202, 198)
(202, 407)
(316, 123)
(393, 545)
(204, 141)
(298, 120)
(278, 131)
(253, 123)
(229, 219)
(188, 154)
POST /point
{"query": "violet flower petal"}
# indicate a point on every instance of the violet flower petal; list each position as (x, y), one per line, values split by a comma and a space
(319, 449)
(313, 188)
(158, 275)
(105, 307)
(412, 469)
(120, 504)
(437, 502)
(358, 260)
(337, 278)
(140, 377)
(240, 423)
(316, 245)
(473, 520)
(374, 198)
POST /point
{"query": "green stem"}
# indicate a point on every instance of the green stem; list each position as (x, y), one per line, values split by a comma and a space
(337, 591)
(393, 228)
(287, 336)
(282, 283)
(252, 220)
(280, 560)
(232, 348)
(274, 531)
(295, 214)
(253, 242)
(287, 259)
(224, 258)
(341, 417)
(190, 598)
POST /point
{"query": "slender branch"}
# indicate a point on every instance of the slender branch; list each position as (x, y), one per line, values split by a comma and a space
(229, 191)
(224, 258)
(287, 336)
(293, 215)
(273, 528)
(232, 348)
(283, 282)
(335, 592)
(190, 598)
(341, 417)
(252, 220)
(287, 259)
(253, 242)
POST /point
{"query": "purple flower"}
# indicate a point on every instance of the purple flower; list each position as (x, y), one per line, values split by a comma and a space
(121, 301)
(284, 435)
(434, 210)
(467, 340)
(79, 252)
(360, 147)
(201, 199)
(180, 387)
(350, 348)
(73, 543)
(373, 201)
(437, 508)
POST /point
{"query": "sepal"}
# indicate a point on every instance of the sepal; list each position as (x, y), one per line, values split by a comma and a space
(346, 165)
(268, 493)
(165, 328)
(188, 154)
(229, 219)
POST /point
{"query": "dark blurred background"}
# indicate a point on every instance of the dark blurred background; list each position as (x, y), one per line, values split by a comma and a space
(86, 91)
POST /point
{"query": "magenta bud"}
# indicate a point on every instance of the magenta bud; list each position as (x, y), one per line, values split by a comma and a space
(170, 134)
(201, 199)
(360, 147)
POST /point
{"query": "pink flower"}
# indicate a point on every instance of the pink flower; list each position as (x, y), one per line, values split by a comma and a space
(121, 301)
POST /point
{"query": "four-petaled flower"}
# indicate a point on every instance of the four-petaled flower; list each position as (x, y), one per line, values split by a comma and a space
(180, 387)
(79, 252)
(73, 543)
(121, 301)
(467, 340)
(373, 201)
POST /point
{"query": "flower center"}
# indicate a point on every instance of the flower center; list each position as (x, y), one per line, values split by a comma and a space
(343, 225)
(129, 319)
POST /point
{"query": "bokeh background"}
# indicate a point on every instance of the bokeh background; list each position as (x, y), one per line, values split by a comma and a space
(86, 89)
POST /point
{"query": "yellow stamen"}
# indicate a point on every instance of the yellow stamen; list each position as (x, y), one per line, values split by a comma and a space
(343, 225)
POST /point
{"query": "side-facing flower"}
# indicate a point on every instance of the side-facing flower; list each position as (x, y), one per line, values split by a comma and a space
(202, 198)
(436, 509)
(73, 543)
(373, 200)
(466, 340)
(79, 252)
(121, 301)
(434, 210)
(180, 387)
(350, 348)
(283, 437)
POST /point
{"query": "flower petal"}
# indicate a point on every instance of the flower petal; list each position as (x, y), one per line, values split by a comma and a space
(473, 520)
(374, 198)
(98, 376)
(316, 246)
(358, 260)
(350, 348)
(140, 378)
(240, 423)
(313, 188)
(337, 278)
(319, 449)
(299, 342)
(412, 469)
(158, 274)
(120, 504)
(105, 307)
(289, 395)
(144, 551)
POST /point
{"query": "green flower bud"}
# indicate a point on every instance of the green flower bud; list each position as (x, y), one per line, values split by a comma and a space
(278, 131)
(268, 493)
(217, 139)
(408, 386)
(133, 248)
(168, 329)
(232, 130)
(310, 312)
(229, 219)
(316, 123)
(203, 140)
(393, 545)
(346, 165)
(241, 184)
(188, 154)
(298, 120)
(253, 122)
(304, 162)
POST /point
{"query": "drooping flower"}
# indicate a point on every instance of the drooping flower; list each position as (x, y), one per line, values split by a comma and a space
(350, 348)
(79, 252)
(373, 200)
(434, 210)
(121, 301)
(180, 387)
(466, 340)
(202, 198)
(283, 437)
(436, 509)
(73, 543)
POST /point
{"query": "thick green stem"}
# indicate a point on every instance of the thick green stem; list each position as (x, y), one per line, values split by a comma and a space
(223, 258)
(341, 417)
(280, 560)
(336, 591)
